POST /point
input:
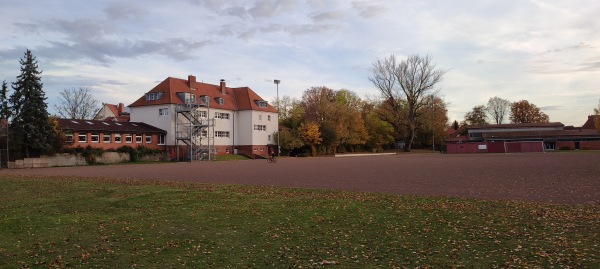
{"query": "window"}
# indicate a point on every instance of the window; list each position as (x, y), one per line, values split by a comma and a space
(82, 138)
(148, 139)
(220, 100)
(269, 117)
(95, 138)
(161, 139)
(259, 117)
(163, 112)
(204, 133)
(153, 96)
(227, 150)
(69, 138)
(138, 138)
(106, 138)
(260, 127)
(269, 138)
(128, 138)
(220, 115)
(221, 134)
(262, 103)
(118, 138)
(202, 114)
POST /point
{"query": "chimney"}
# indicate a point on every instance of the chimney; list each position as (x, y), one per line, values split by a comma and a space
(191, 81)
(121, 108)
(222, 86)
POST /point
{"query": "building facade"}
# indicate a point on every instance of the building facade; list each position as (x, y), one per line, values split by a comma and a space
(202, 118)
(111, 135)
(525, 137)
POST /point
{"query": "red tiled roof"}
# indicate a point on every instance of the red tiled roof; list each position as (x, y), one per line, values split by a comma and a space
(107, 126)
(590, 123)
(242, 98)
(516, 125)
(543, 134)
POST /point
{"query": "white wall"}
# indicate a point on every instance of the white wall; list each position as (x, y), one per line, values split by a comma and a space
(244, 121)
(149, 115)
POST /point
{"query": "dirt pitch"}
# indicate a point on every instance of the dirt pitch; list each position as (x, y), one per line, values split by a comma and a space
(565, 178)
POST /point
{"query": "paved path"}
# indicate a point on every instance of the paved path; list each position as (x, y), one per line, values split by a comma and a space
(571, 178)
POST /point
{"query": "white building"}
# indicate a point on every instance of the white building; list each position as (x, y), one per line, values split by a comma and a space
(208, 118)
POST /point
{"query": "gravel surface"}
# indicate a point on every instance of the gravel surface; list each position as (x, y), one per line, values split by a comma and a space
(564, 178)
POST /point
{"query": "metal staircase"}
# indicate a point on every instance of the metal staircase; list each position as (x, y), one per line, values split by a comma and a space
(195, 130)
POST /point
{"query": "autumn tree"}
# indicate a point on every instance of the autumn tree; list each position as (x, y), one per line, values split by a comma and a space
(310, 133)
(406, 85)
(337, 113)
(288, 140)
(476, 116)
(380, 132)
(348, 121)
(77, 104)
(498, 108)
(32, 132)
(433, 122)
(525, 112)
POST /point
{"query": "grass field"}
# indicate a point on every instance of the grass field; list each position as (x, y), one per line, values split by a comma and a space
(72, 222)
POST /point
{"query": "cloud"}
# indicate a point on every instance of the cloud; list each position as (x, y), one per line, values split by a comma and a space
(124, 11)
(327, 16)
(368, 9)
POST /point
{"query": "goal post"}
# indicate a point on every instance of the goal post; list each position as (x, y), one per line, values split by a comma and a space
(524, 146)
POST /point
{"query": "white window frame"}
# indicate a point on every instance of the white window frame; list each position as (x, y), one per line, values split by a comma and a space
(104, 138)
(148, 139)
(224, 116)
(69, 138)
(128, 138)
(82, 135)
(202, 114)
(95, 138)
(222, 134)
(161, 139)
(163, 112)
(118, 138)
(269, 117)
(138, 139)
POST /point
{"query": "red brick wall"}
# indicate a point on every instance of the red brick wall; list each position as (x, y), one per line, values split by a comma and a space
(592, 145)
(570, 144)
(113, 145)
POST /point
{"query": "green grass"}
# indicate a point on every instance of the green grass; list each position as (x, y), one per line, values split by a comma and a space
(71, 222)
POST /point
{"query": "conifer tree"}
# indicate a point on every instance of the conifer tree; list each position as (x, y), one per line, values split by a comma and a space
(4, 108)
(31, 133)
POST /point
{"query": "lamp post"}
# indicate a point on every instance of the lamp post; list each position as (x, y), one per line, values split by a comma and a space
(433, 122)
(277, 81)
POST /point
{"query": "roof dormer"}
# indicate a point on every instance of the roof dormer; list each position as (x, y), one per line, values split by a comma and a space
(261, 103)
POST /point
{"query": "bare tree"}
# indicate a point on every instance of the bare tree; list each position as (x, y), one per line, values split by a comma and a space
(412, 80)
(77, 104)
(498, 108)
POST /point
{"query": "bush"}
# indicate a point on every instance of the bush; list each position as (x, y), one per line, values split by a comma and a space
(90, 154)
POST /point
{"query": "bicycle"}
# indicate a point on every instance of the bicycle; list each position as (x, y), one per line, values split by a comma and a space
(272, 159)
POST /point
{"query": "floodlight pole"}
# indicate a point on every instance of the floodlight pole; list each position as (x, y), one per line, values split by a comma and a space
(277, 81)
(433, 122)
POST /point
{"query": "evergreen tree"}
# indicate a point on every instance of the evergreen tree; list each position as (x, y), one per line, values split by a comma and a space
(455, 125)
(31, 132)
(4, 108)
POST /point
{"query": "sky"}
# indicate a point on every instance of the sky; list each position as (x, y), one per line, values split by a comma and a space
(546, 52)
